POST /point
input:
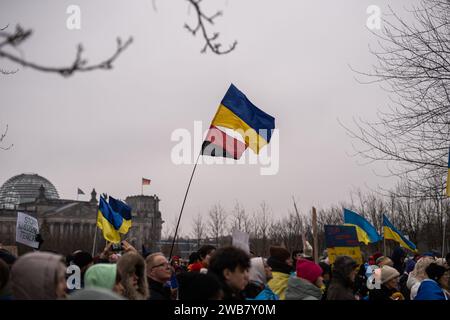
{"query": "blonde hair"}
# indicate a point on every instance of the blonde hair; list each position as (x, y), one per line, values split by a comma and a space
(419, 269)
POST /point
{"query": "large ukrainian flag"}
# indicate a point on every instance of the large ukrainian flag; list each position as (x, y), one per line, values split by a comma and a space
(236, 112)
(390, 232)
(125, 212)
(111, 222)
(365, 231)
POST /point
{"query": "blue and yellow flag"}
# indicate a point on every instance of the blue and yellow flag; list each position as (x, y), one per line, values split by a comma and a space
(238, 113)
(365, 231)
(448, 175)
(125, 212)
(390, 232)
(111, 222)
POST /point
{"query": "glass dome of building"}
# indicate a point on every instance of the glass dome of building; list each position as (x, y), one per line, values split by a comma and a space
(25, 188)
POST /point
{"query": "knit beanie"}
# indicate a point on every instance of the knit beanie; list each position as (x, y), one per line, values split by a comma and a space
(102, 275)
(435, 271)
(388, 273)
(308, 270)
(279, 253)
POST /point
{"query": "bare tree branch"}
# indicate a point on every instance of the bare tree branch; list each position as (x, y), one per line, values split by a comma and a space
(413, 135)
(80, 64)
(202, 20)
(2, 136)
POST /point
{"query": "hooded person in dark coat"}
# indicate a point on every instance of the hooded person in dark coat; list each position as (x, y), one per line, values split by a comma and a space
(343, 277)
(131, 268)
(281, 264)
(38, 276)
(398, 257)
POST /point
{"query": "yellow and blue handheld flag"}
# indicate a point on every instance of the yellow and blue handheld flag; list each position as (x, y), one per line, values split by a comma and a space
(125, 212)
(365, 231)
(111, 222)
(238, 113)
(390, 232)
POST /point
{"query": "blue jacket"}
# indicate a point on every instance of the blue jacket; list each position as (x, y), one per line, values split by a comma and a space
(265, 294)
(430, 290)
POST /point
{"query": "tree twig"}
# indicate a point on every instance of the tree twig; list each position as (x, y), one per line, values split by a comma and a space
(79, 65)
(210, 40)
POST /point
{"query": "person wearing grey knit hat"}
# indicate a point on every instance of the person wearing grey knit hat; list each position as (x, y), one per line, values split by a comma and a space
(388, 288)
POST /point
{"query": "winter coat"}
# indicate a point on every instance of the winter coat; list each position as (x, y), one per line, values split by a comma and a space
(278, 284)
(158, 291)
(413, 285)
(382, 294)
(341, 287)
(256, 291)
(430, 290)
(301, 289)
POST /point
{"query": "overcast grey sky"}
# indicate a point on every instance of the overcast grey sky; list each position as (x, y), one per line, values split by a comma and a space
(107, 129)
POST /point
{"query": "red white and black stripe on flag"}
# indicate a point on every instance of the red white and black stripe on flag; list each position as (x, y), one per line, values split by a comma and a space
(219, 144)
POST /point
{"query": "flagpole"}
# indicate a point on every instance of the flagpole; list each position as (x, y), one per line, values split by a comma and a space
(182, 207)
(142, 188)
(95, 241)
(443, 230)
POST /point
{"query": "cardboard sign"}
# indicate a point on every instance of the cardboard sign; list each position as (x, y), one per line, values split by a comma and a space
(353, 252)
(240, 240)
(26, 230)
(340, 236)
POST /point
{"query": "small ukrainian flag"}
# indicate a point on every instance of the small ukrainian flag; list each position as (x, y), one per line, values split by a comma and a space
(113, 222)
(390, 232)
(365, 231)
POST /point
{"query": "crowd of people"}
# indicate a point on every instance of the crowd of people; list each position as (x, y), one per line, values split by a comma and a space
(226, 273)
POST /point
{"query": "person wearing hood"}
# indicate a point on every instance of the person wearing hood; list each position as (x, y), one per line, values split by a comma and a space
(104, 275)
(38, 276)
(433, 287)
(281, 264)
(308, 284)
(259, 274)
(417, 275)
(131, 269)
(398, 258)
(388, 289)
(343, 278)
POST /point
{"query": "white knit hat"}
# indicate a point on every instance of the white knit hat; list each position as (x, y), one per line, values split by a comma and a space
(388, 273)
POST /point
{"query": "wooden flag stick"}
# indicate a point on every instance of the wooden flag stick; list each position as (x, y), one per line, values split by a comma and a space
(182, 207)
(315, 239)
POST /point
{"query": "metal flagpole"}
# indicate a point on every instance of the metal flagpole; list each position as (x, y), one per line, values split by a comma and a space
(182, 207)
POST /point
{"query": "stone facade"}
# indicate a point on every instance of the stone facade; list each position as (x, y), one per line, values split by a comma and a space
(69, 225)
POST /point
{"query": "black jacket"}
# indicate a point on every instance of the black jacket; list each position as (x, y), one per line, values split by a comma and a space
(382, 294)
(158, 291)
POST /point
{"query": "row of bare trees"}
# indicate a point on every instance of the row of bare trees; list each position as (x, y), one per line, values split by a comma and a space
(420, 219)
